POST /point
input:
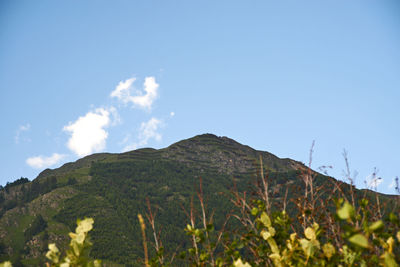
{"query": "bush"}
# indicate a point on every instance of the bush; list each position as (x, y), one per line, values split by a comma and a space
(79, 248)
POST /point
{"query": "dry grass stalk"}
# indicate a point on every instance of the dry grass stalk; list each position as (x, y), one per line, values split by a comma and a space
(143, 227)
(157, 240)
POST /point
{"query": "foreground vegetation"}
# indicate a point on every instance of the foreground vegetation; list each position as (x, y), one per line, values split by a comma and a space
(357, 232)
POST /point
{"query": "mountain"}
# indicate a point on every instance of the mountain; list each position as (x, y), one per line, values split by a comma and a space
(114, 188)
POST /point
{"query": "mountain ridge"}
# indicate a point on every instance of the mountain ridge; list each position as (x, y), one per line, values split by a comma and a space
(284, 163)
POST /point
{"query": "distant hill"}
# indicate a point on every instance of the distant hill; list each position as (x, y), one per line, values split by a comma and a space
(114, 188)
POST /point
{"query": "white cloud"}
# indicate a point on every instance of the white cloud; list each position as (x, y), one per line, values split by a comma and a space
(172, 114)
(25, 127)
(130, 147)
(116, 119)
(21, 128)
(87, 132)
(122, 91)
(141, 100)
(148, 130)
(40, 162)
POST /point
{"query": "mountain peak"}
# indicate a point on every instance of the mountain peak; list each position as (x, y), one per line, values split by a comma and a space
(209, 139)
(224, 154)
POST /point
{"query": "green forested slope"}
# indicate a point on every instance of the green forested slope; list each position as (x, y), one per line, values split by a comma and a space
(114, 188)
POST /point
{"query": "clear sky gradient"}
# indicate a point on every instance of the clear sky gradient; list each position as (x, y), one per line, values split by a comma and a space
(79, 77)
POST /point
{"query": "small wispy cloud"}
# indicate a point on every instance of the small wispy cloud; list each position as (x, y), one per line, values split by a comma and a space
(172, 114)
(87, 132)
(21, 129)
(148, 130)
(142, 99)
(40, 162)
(115, 117)
(123, 90)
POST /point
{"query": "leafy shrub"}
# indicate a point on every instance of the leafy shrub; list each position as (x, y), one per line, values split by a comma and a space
(79, 247)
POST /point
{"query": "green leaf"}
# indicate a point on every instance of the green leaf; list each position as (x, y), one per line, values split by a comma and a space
(203, 256)
(346, 211)
(359, 240)
(254, 211)
(265, 234)
(364, 202)
(329, 250)
(84, 226)
(264, 218)
(75, 248)
(293, 237)
(310, 233)
(80, 238)
(309, 246)
(392, 217)
(271, 230)
(6, 264)
(197, 232)
(375, 226)
(306, 246)
(390, 243)
(389, 260)
(275, 257)
(239, 263)
(53, 254)
(53, 248)
(273, 245)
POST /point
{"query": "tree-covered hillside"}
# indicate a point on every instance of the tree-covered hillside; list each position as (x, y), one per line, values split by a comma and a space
(114, 188)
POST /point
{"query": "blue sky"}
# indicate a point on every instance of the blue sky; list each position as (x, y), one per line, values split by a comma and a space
(79, 77)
